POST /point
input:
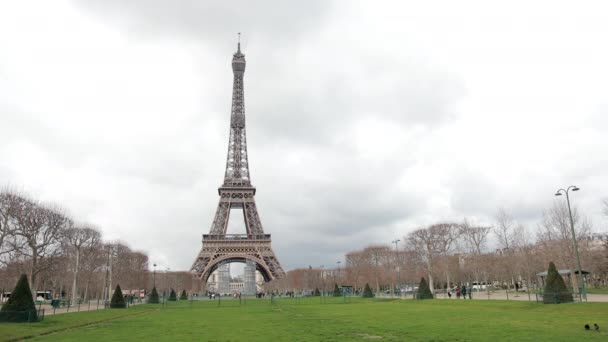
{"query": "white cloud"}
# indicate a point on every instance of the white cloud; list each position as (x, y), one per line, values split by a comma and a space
(364, 121)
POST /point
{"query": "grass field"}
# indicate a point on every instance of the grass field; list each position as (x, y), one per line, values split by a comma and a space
(603, 290)
(309, 320)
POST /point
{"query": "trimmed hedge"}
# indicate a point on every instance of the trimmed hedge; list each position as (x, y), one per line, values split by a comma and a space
(153, 298)
(337, 292)
(424, 291)
(118, 300)
(367, 291)
(172, 296)
(20, 306)
(555, 288)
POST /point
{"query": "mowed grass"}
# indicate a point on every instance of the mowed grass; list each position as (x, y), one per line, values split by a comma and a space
(309, 320)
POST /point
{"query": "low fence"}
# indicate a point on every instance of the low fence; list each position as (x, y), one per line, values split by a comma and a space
(58, 306)
(27, 316)
(559, 297)
(231, 301)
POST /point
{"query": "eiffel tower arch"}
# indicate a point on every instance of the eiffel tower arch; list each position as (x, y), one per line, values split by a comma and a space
(253, 247)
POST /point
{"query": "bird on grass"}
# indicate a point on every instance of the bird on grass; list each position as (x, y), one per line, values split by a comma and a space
(596, 327)
(586, 326)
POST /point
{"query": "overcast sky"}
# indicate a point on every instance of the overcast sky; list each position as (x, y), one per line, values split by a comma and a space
(364, 120)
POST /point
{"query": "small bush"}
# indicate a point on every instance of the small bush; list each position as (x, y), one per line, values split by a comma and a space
(20, 306)
(153, 298)
(367, 291)
(118, 300)
(337, 291)
(555, 288)
(184, 295)
(172, 296)
(317, 293)
(424, 291)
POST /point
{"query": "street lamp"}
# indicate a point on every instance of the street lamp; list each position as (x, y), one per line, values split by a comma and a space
(154, 276)
(338, 277)
(581, 288)
(396, 242)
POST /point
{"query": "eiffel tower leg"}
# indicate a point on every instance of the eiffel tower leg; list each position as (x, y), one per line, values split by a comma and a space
(252, 219)
(220, 222)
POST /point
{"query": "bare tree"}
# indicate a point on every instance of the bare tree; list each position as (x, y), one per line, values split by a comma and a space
(78, 238)
(475, 237)
(431, 243)
(8, 207)
(556, 233)
(505, 229)
(507, 232)
(39, 230)
(605, 206)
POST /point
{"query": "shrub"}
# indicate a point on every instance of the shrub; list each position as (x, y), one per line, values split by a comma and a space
(20, 306)
(367, 291)
(118, 301)
(555, 289)
(172, 296)
(317, 293)
(184, 295)
(337, 292)
(424, 291)
(153, 298)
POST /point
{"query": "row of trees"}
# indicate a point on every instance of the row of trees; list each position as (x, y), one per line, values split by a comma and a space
(61, 255)
(457, 252)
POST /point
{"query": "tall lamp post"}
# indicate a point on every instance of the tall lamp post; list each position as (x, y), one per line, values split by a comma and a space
(396, 242)
(581, 285)
(154, 276)
(322, 280)
(338, 263)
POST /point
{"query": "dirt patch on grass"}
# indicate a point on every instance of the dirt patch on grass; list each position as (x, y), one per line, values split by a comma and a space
(370, 337)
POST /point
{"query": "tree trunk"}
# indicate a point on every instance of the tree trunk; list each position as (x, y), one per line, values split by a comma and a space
(74, 288)
(33, 272)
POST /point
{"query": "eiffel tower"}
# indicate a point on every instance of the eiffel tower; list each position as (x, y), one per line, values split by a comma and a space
(253, 248)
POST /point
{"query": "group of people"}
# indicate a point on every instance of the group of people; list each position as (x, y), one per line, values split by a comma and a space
(461, 291)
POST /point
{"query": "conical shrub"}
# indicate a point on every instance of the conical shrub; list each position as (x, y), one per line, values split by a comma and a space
(153, 298)
(556, 290)
(424, 291)
(172, 296)
(184, 295)
(118, 300)
(337, 291)
(367, 291)
(20, 306)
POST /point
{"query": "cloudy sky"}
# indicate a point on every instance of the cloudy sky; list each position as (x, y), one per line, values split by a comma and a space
(365, 120)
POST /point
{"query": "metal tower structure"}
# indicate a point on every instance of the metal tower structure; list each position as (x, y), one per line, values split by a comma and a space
(254, 247)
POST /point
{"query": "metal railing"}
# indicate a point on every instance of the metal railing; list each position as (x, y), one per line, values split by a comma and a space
(236, 237)
(28, 316)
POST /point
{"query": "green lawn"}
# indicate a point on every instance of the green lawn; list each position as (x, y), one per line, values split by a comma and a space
(598, 290)
(309, 320)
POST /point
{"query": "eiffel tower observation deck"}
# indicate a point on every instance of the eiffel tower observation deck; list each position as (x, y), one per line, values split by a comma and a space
(254, 247)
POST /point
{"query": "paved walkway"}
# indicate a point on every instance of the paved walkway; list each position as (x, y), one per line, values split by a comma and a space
(499, 295)
(89, 306)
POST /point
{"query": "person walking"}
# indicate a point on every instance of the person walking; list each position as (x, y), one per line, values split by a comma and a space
(449, 294)
(457, 292)
(464, 292)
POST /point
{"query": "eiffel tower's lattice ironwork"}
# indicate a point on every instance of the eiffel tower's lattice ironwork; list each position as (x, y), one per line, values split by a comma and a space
(237, 192)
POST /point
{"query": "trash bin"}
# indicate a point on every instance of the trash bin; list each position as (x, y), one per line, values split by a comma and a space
(56, 303)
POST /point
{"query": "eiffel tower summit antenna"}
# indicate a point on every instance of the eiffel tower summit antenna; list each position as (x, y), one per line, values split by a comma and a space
(254, 248)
